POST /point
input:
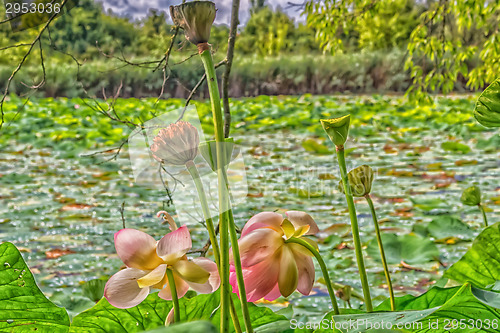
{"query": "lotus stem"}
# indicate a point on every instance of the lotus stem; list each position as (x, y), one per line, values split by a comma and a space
(485, 219)
(355, 228)
(195, 175)
(239, 273)
(193, 171)
(382, 252)
(225, 213)
(175, 299)
(324, 270)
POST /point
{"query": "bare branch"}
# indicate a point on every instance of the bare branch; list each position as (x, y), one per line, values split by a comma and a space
(229, 63)
(195, 88)
(23, 60)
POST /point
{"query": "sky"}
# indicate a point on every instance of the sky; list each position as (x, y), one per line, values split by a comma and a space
(137, 9)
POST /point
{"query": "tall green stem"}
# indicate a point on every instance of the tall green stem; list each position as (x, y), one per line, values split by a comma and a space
(239, 273)
(355, 229)
(213, 89)
(382, 252)
(226, 221)
(324, 270)
(193, 171)
(175, 299)
(481, 207)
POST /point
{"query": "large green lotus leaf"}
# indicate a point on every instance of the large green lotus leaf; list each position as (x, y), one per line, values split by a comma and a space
(23, 307)
(411, 249)
(481, 263)
(152, 312)
(487, 111)
(446, 226)
(206, 307)
(103, 317)
(430, 312)
(200, 326)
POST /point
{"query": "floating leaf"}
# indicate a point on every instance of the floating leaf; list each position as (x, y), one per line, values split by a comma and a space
(411, 249)
(94, 289)
(455, 147)
(312, 145)
(23, 307)
(448, 226)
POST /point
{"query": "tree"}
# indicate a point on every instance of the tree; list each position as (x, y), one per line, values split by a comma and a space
(448, 40)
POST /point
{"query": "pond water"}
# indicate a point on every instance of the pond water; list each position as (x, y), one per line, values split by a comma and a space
(62, 212)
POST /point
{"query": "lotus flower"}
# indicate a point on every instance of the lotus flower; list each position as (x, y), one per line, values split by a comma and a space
(271, 266)
(147, 262)
(177, 144)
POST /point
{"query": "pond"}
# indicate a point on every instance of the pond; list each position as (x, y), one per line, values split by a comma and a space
(61, 205)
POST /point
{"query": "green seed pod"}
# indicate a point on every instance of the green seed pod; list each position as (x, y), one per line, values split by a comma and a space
(360, 181)
(337, 129)
(196, 18)
(471, 196)
(208, 150)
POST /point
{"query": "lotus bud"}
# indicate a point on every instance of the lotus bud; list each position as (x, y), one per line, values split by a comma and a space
(337, 129)
(177, 144)
(360, 181)
(471, 196)
(170, 317)
(208, 150)
(196, 18)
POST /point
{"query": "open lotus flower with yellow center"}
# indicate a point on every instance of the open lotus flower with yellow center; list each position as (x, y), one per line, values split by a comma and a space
(147, 262)
(271, 265)
(177, 144)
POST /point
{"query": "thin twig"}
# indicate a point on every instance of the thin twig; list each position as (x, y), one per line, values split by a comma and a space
(23, 60)
(122, 209)
(229, 64)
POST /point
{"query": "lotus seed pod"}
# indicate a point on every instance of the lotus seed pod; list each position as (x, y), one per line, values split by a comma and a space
(195, 18)
(337, 129)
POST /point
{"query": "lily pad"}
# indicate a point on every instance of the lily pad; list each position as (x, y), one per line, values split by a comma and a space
(448, 226)
(455, 147)
(411, 249)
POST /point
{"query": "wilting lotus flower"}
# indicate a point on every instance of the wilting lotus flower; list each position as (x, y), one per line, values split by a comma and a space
(147, 262)
(196, 18)
(272, 267)
(177, 144)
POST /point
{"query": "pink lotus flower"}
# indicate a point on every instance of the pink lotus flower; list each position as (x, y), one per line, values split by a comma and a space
(272, 267)
(147, 262)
